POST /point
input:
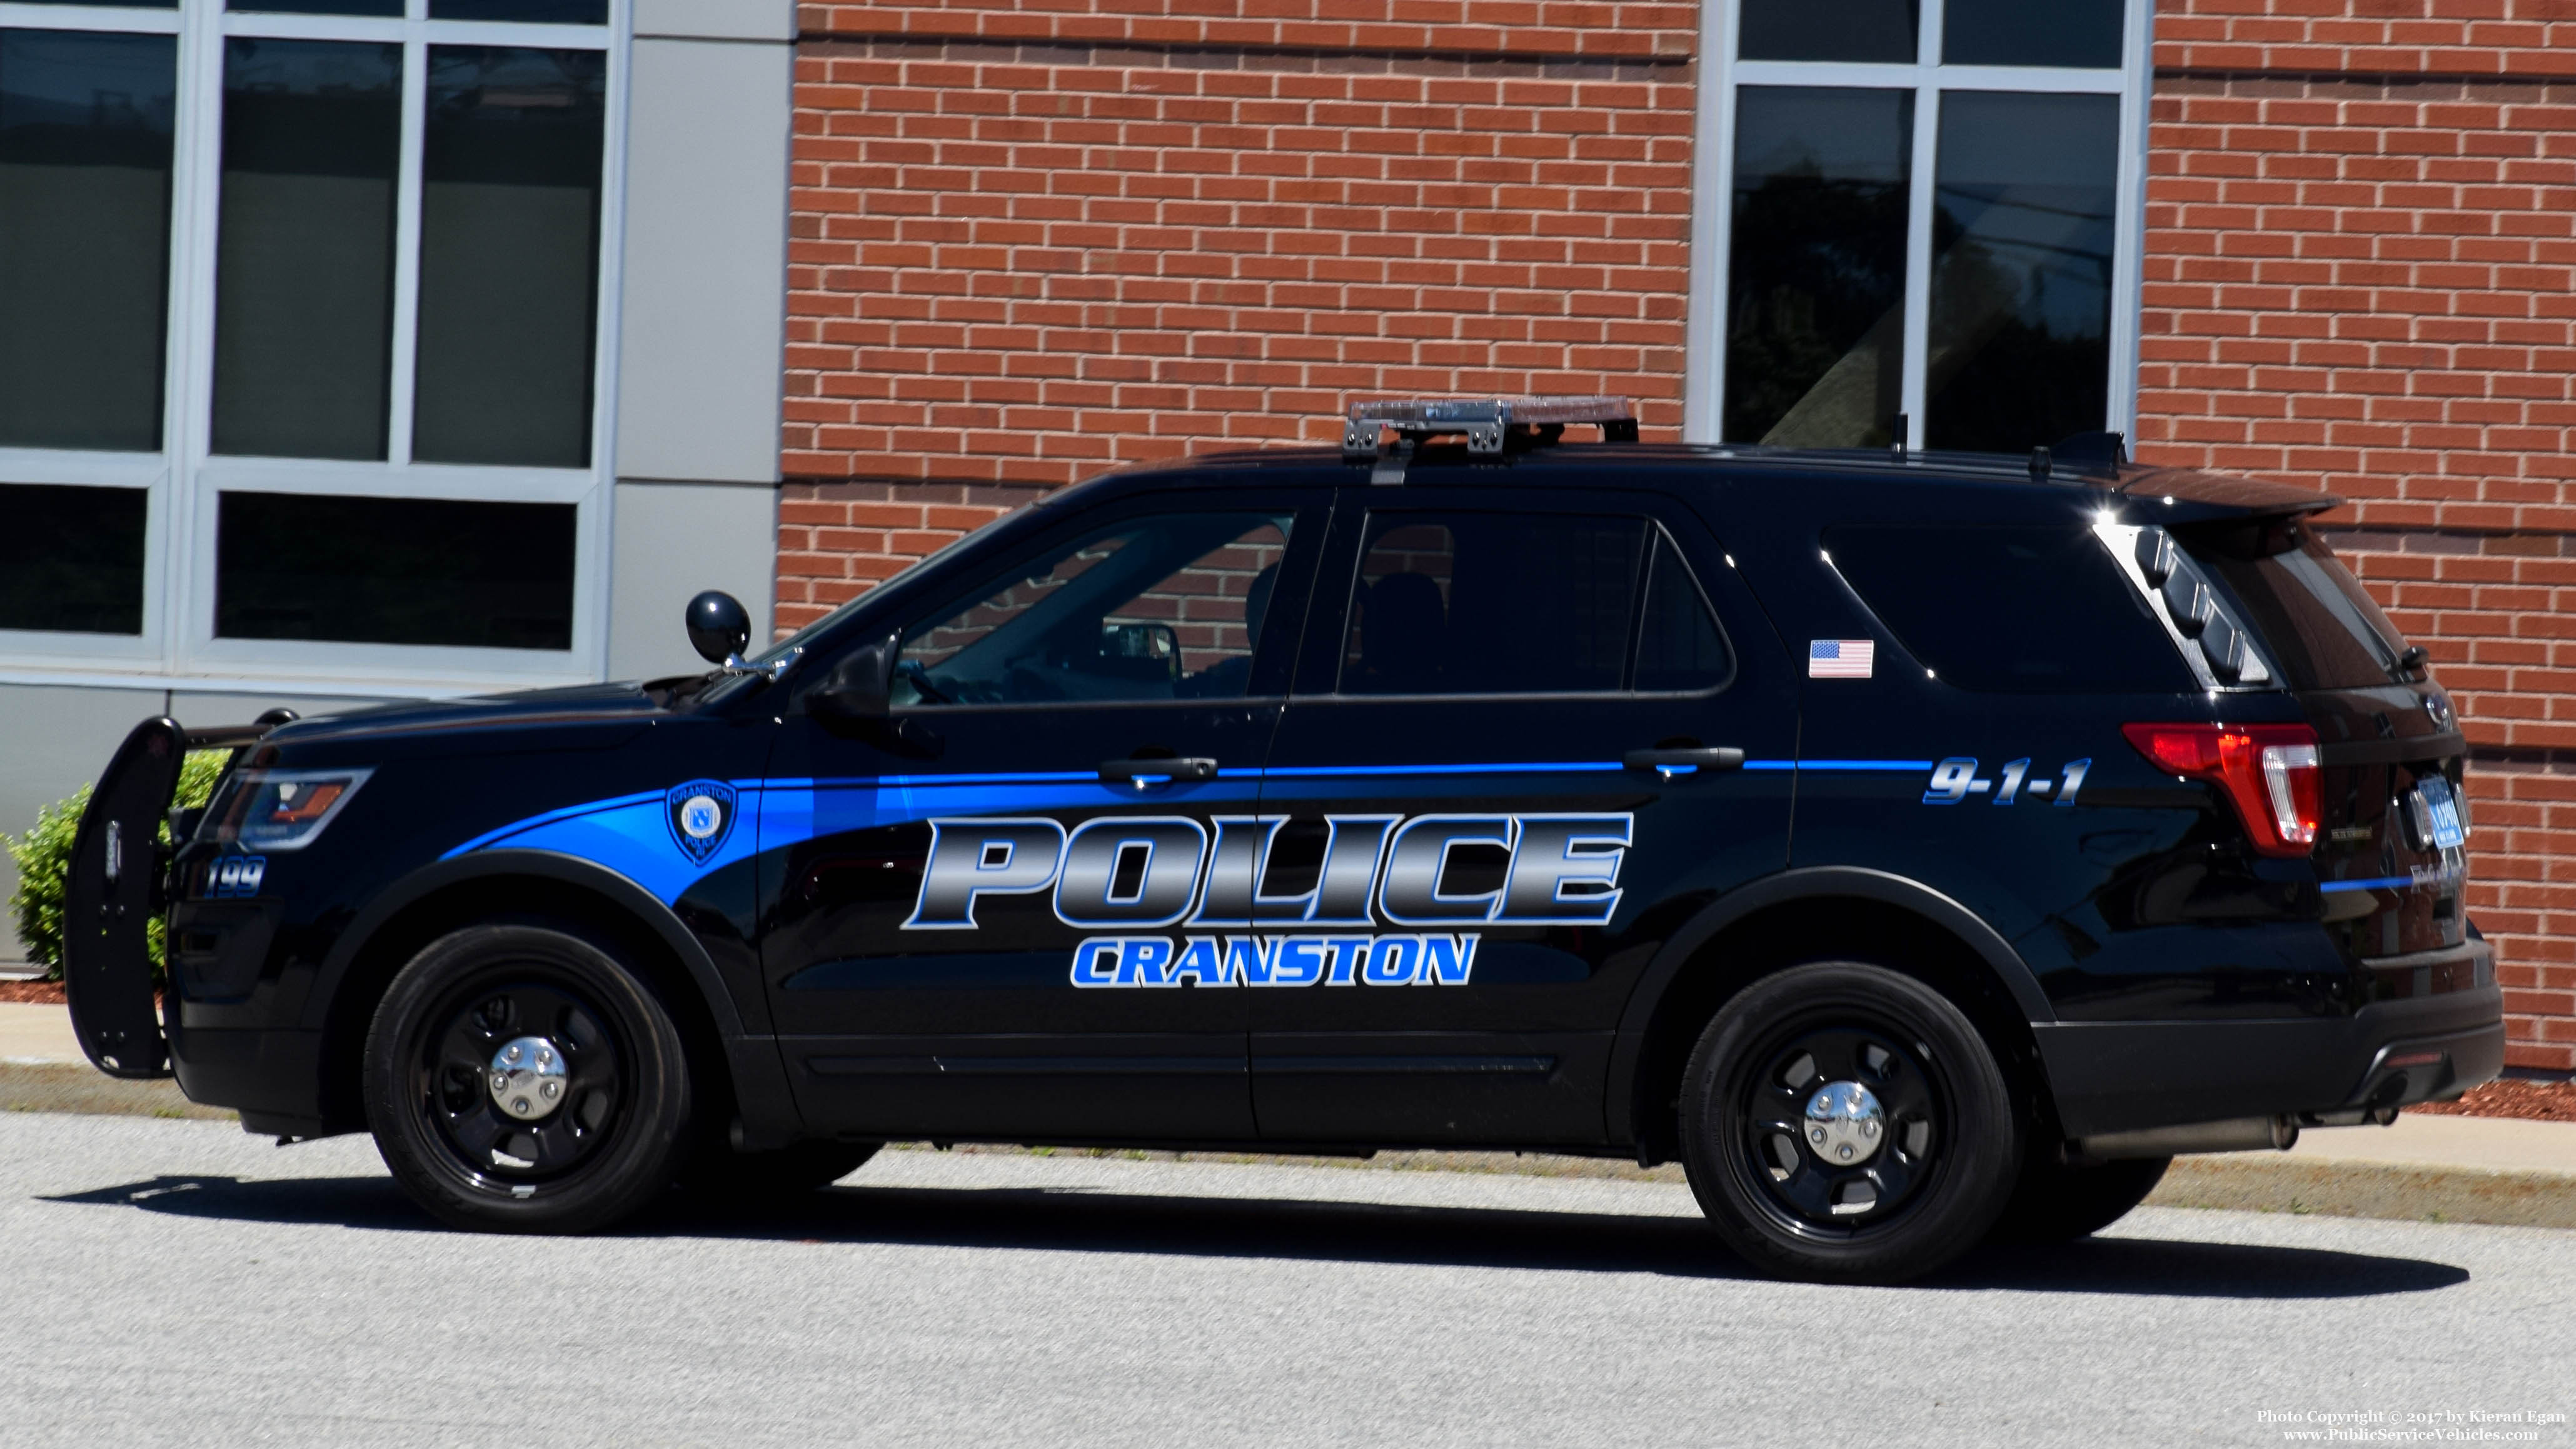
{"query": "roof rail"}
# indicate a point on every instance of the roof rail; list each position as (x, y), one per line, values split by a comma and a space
(1491, 423)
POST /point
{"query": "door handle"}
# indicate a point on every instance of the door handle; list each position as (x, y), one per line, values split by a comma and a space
(1690, 761)
(1147, 773)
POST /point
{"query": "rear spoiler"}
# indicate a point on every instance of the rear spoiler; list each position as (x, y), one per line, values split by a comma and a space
(118, 886)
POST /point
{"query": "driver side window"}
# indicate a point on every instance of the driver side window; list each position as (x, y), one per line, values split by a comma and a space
(1163, 607)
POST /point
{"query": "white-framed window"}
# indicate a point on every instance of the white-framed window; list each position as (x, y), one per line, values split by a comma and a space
(305, 321)
(1917, 222)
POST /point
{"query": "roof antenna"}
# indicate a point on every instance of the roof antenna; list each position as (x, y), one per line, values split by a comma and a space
(2039, 465)
(1896, 435)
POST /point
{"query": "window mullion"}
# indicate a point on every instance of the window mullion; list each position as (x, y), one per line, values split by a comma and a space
(2128, 258)
(187, 613)
(407, 206)
(1918, 252)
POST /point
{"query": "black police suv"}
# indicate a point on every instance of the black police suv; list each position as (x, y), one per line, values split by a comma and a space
(1918, 848)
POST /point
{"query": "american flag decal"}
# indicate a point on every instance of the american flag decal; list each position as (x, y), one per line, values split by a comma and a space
(1840, 658)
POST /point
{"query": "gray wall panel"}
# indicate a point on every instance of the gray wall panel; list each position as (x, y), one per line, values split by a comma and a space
(704, 332)
(674, 539)
(717, 19)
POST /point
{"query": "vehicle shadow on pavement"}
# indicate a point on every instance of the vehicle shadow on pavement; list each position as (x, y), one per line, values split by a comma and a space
(1059, 1220)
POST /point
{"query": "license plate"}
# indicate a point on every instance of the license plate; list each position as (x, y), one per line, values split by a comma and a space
(2446, 813)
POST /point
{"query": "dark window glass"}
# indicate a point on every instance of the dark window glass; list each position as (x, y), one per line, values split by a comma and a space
(1678, 643)
(2038, 607)
(557, 12)
(84, 237)
(2031, 32)
(1815, 328)
(509, 256)
(304, 279)
(2312, 614)
(321, 7)
(2022, 235)
(71, 559)
(120, 4)
(1492, 603)
(1876, 30)
(1151, 609)
(394, 571)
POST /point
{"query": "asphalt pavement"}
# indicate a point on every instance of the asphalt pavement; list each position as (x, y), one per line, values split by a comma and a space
(167, 1282)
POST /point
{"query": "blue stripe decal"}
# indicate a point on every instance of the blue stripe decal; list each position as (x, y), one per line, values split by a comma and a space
(2375, 883)
(629, 833)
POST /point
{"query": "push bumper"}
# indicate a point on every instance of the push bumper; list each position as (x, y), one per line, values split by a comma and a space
(2130, 1076)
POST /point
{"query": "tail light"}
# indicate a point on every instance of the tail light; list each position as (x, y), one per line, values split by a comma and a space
(2270, 772)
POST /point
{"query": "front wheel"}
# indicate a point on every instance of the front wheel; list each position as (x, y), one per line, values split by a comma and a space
(524, 1079)
(1844, 1122)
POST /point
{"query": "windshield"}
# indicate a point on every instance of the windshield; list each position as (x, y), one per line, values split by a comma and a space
(2313, 614)
(816, 630)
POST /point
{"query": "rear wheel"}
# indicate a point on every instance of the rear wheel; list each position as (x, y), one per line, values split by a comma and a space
(1845, 1122)
(2054, 1202)
(523, 1079)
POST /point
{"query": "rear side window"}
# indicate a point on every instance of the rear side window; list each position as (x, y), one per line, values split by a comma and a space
(2313, 615)
(1525, 603)
(2017, 608)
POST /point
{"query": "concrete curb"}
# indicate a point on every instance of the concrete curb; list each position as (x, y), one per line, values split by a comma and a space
(2241, 1182)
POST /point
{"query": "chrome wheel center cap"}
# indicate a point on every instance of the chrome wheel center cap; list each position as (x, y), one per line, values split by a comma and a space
(528, 1079)
(1844, 1124)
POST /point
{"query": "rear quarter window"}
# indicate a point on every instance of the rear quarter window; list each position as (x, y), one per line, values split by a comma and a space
(2010, 608)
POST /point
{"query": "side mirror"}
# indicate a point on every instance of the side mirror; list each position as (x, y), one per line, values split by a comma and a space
(719, 626)
(857, 699)
(860, 689)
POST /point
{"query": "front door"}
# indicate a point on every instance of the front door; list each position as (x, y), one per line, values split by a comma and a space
(1522, 749)
(987, 941)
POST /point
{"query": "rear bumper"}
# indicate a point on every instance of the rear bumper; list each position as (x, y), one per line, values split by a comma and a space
(2128, 1076)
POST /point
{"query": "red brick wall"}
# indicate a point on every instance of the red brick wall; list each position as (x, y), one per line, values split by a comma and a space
(1031, 245)
(2361, 276)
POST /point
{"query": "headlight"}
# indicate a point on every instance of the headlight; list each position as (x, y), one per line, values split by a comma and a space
(283, 809)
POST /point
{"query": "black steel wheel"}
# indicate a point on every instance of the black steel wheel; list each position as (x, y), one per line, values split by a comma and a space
(1844, 1121)
(2055, 1202)
(523, 1079)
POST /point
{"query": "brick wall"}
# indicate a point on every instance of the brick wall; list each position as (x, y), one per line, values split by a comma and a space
(2361, 276)
(1030, 245)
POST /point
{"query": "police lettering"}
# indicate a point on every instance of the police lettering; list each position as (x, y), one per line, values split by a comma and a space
(1137, 872)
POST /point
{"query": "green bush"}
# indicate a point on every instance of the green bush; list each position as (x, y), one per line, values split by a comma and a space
(44, 857)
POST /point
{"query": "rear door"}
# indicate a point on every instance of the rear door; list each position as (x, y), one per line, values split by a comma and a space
(977, 937)
(1526, 741)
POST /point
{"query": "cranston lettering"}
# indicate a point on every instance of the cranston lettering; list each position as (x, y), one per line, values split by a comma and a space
(1141, 873)
(1323, 960)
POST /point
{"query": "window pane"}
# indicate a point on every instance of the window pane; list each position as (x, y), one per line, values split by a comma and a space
(2032, 32)
(1679, 646)
(84, 237)
(1154, 609)
(394, 571)
(509, 256)
(558, 12)
(1875, 30)
(71, 559)
(2022, 236)
(321, 7)
(305, 261)
(1492, 603)
(2038, 607)
(1816, 280)
(2315, 619)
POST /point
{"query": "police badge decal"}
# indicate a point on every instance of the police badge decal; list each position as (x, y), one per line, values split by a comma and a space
(700, 814)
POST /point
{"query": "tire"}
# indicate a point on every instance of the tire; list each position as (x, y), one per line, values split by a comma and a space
(1924, 1178)
(801, 1167)
(2053, 1203)
(598, 1150)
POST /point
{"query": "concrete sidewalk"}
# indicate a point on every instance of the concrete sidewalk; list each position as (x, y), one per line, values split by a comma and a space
(2443, 1169)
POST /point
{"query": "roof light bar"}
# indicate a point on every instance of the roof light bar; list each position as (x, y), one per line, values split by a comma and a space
(1487, 421)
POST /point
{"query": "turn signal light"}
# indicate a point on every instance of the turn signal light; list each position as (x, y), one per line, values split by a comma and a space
(2271, 773)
